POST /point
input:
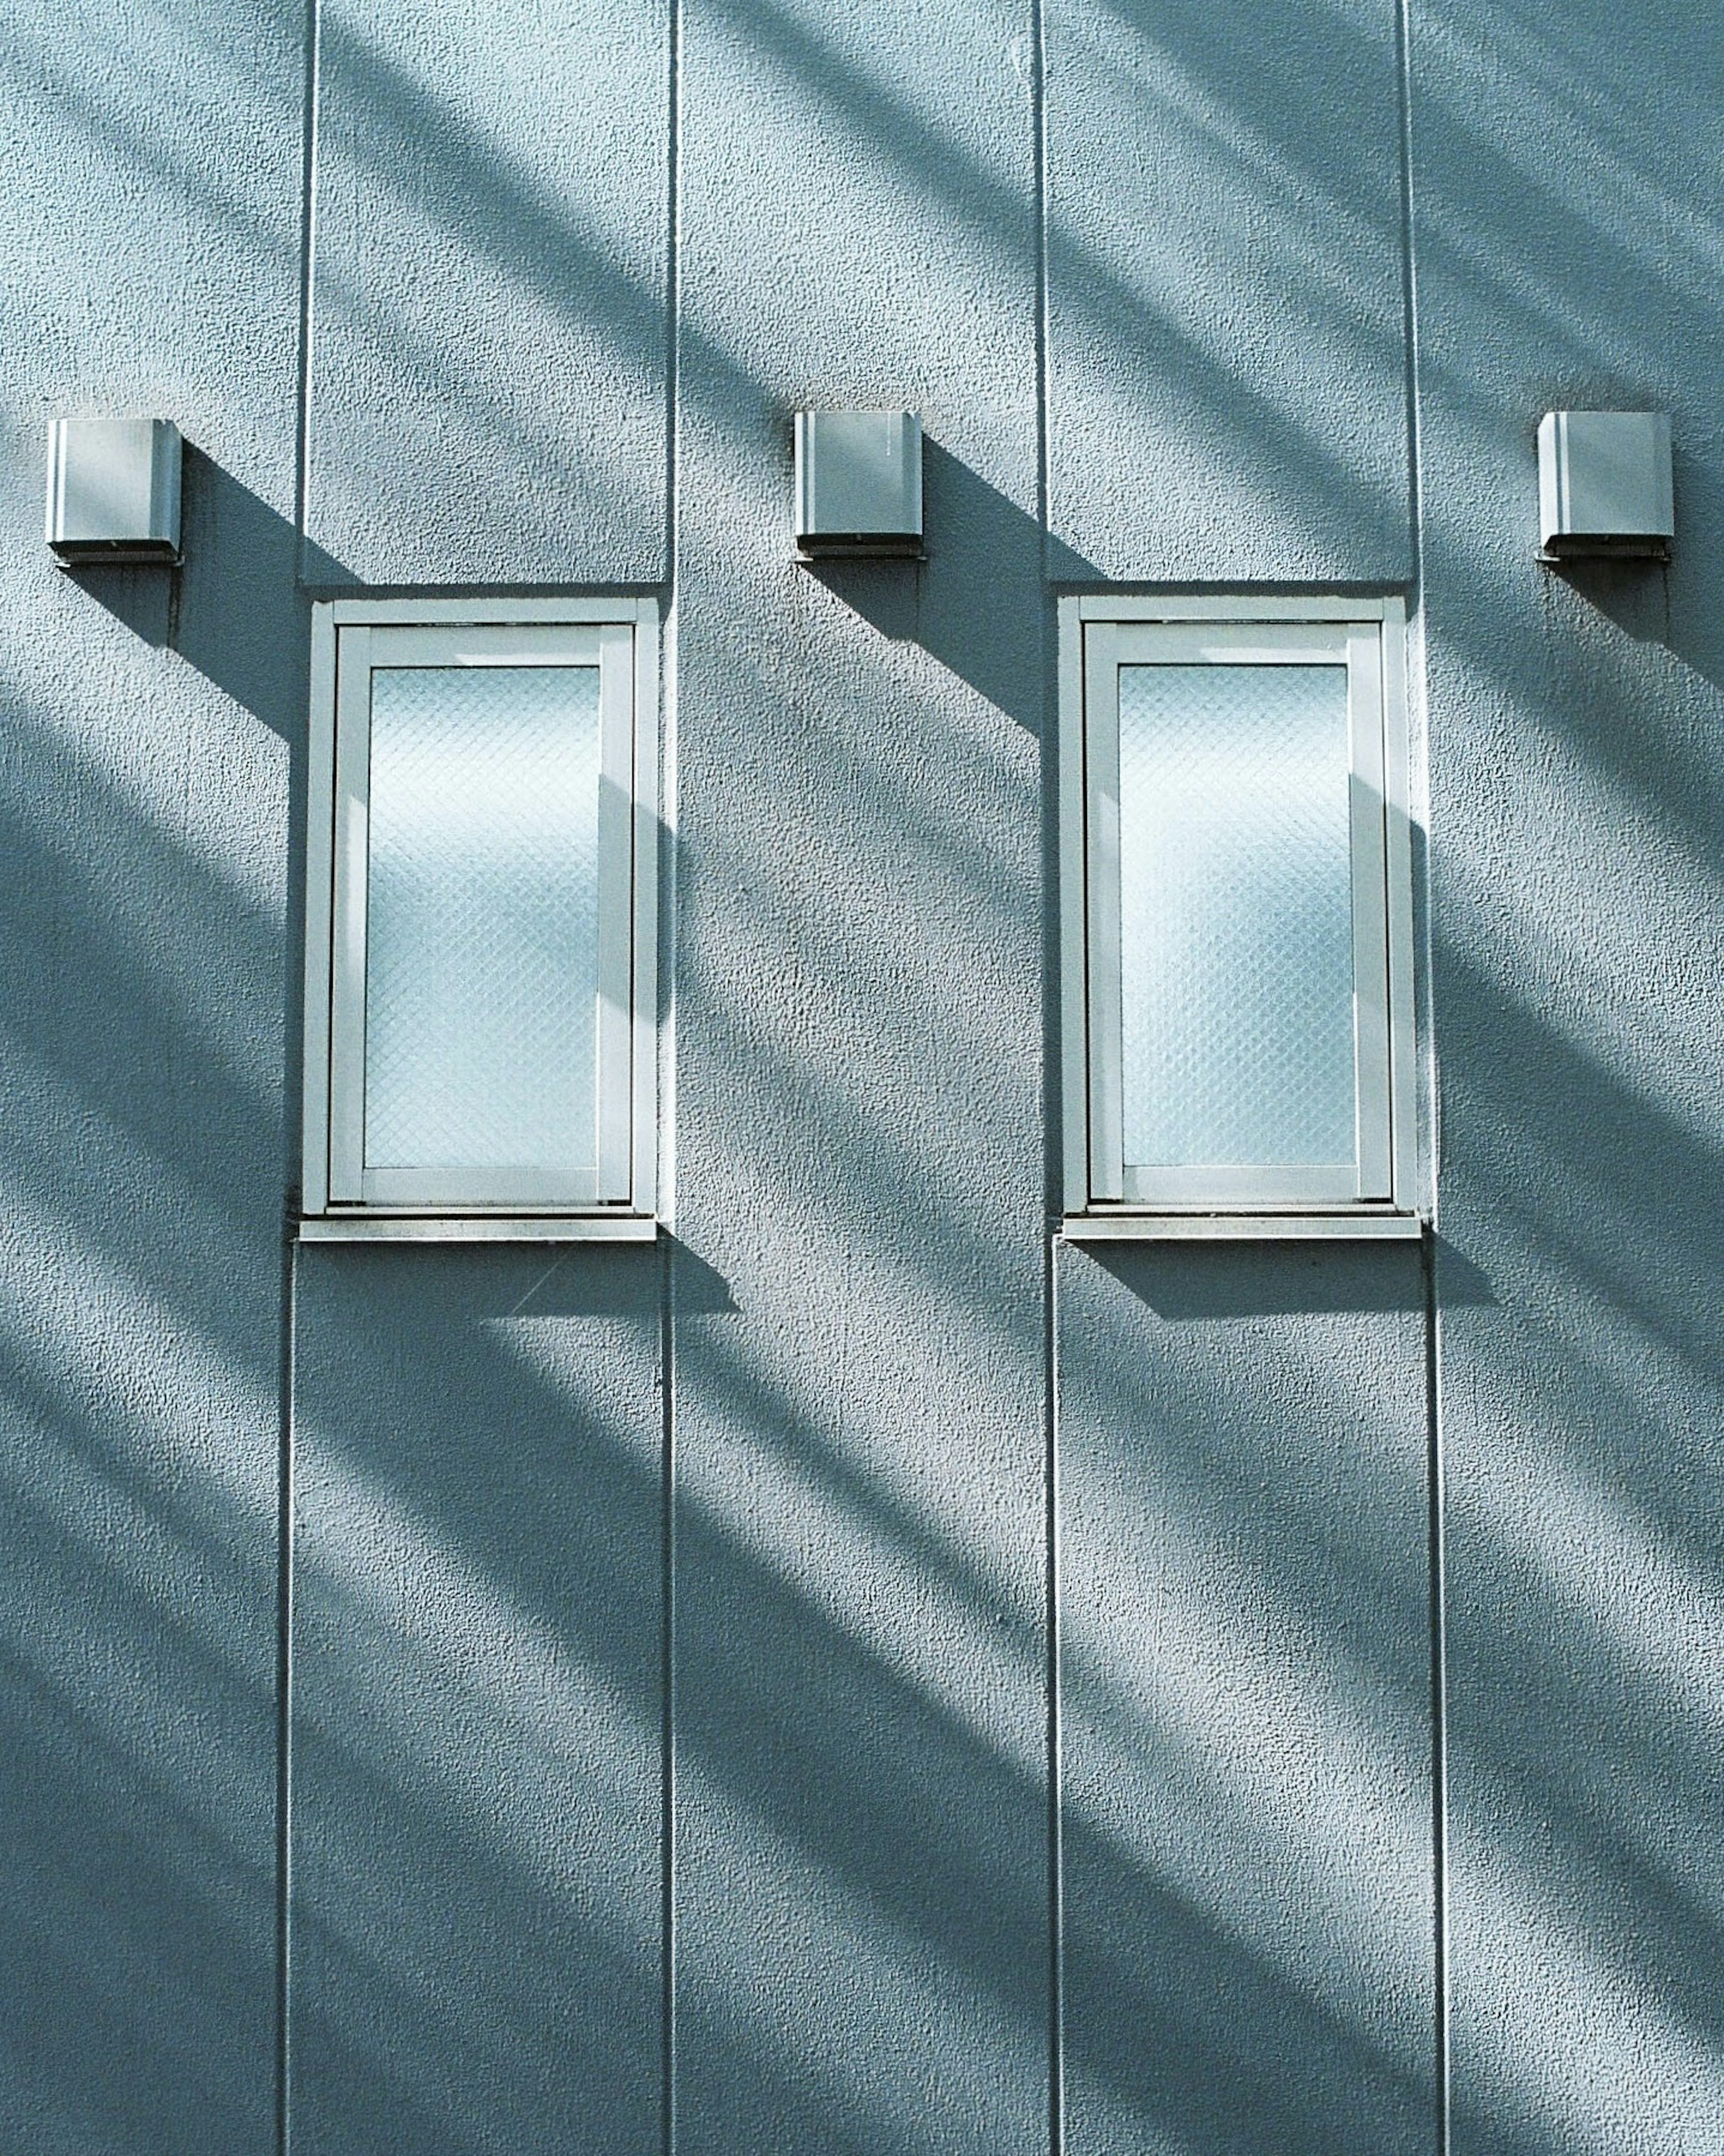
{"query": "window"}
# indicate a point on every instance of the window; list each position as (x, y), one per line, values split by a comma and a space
(1236, 932)
(480, 982)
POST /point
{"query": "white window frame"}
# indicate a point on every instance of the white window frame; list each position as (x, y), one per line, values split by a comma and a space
(1104, 1197)
(342, 1198)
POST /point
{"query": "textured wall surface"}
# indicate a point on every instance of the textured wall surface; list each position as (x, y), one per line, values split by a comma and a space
(152, 262)
(862, 1872)
(1569, 247)
(1244, 1696)
(1227, 365)
(867, 1677)
(489, 330)
(477, 1650)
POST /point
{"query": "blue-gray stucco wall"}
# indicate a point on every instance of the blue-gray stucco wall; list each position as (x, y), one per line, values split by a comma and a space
(865, 1675)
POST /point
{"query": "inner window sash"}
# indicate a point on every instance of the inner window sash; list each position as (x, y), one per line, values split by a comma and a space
(469, 903)
(1237, 979)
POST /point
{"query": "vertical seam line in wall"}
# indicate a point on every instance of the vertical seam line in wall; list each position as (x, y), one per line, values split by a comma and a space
(667, 1728)
(673, 323)
(308, 248)
(1050, 1278)
(1409, 303)
(283, 1683)
(1440, 2031)
(1056, 1898)
(665, 1134)
(1439, 1696)
(1038, 109)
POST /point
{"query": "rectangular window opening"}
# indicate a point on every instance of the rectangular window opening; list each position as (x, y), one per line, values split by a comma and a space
(479, 955)
(1237, 934)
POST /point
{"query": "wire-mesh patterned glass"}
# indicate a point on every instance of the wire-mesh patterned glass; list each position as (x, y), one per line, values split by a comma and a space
(482, 907)
(1236, 930)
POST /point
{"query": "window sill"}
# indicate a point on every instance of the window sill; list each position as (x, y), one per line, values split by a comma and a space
(1242, 1227)
(477, 1228)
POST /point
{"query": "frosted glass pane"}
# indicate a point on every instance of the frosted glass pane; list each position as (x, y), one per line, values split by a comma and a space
(482, 917)
(1236, 929)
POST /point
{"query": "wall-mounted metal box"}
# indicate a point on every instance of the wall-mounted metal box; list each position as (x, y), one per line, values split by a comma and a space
(859, 483)
(114, 490)
(1604, 485)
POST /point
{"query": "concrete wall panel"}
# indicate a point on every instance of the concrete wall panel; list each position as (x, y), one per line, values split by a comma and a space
(862, 1873)
(1227, 382)
(489, 332)
(477, 1685)
(149, 232)
(1249, 1900)
(1568, 256)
